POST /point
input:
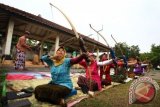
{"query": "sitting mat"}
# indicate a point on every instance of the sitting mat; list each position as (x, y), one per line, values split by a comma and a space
(19, 77)
(20, 103)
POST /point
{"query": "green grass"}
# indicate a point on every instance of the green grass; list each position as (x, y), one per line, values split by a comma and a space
(117, 97)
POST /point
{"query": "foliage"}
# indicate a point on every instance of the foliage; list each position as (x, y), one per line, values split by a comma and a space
(32, 42)
(129, 51)
(145, 56)
(134, 51)
(46, 45)
(155, 55)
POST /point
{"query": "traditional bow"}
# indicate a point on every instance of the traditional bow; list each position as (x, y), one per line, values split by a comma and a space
(73, 28)
(123, 56)
(81, 41)
(111, 50)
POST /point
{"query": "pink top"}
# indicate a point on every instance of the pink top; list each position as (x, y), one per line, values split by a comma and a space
(93, 68)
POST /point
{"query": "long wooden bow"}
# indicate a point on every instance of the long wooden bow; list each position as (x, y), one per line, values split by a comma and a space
(81, 41)
(111, 50)
(100, 35)
(73, 28)
(123, 56)
(77, 36)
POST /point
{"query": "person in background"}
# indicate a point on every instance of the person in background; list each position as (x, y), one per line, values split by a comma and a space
(138, 69)
(91, 82)
(137, 66)
(21, 48)
(61, 85)
(105, 71)
(36, 53)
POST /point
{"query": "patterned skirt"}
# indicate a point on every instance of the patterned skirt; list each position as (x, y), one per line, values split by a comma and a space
(20, 60)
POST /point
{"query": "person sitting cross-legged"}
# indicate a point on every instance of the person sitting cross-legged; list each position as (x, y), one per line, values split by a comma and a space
(61, 85)
(105, 71)
(91, 81)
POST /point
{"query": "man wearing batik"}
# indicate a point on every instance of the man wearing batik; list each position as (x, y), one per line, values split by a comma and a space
(21, 48)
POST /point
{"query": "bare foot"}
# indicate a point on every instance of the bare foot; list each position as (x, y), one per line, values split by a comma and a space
(91, 93)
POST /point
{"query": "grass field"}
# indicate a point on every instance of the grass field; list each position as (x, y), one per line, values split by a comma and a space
(117, 97)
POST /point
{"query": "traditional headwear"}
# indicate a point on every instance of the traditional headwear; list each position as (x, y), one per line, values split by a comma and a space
(61, 47)
(59, 62)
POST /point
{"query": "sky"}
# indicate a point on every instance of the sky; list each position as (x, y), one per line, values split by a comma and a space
(135, 22)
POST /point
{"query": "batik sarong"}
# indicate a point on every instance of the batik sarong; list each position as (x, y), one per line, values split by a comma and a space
(20, 59)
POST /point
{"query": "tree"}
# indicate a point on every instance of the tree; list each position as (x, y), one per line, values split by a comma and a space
(129, 51)
(134, 51)
(123, 47)
(32, 42)
(155, 55)
(145, 56)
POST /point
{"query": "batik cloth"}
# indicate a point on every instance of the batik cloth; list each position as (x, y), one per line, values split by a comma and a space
(20, 59)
